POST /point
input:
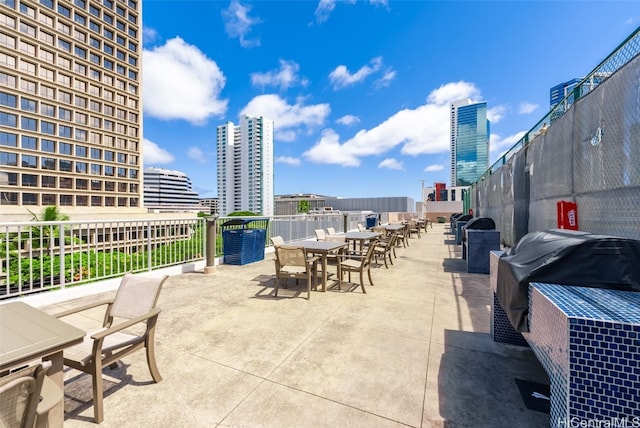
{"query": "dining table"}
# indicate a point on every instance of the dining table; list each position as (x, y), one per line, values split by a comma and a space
(361, 238)
(28, 334)
(322, 249)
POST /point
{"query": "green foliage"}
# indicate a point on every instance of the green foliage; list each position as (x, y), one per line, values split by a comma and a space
(243, 214)
(304, 206)
(85, 266)
(50, 213)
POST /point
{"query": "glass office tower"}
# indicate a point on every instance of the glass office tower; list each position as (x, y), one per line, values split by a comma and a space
(469, 142)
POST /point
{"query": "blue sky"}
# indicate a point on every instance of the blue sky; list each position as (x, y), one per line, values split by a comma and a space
(359, 90)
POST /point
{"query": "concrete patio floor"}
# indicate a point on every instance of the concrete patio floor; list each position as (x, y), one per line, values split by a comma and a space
(414, 351)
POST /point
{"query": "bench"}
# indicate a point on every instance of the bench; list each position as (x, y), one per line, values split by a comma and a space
(588, 341)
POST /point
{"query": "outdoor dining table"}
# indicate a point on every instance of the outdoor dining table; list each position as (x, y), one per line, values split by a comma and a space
(323, 249)
(394, 227)
(26, 334)
(361, 238)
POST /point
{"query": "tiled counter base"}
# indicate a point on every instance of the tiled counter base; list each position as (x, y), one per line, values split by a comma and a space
(588, 341)
(501, 328)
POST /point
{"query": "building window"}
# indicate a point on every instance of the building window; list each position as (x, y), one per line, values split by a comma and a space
(66, 183)
(29, 180)
(96, 185)
(82, 168)
(96, 201)
(82, 183)
(48, 127)
(8, 119)
(47, 110)
(29, 143)
(65, 149)
(48, 146)
(29, 161)
(11, 100)
(66, 200)
(29, 199)
(48, 164)
(48, 181)
(9, 159)
(49, 199)
(8, 139)
(65, 165)
(29, 124)
(82, 201)
(27, 105)
(65, 131)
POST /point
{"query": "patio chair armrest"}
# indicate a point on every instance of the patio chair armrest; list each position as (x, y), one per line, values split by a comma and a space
(83, 308)
(313, 259)
(125, 324)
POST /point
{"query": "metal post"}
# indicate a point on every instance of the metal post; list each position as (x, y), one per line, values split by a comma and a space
(345, 222)
(211, 237)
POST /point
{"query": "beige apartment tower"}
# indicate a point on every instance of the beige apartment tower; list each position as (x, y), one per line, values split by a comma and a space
(71, 106)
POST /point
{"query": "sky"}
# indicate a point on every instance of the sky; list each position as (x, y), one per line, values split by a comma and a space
(359, 90)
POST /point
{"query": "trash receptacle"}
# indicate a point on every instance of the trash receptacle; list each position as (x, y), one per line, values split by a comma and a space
(372, 221)
(476, 223)
(242, 243)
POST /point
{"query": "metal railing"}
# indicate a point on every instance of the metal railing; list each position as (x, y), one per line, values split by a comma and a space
(39, 256)
(42, 256)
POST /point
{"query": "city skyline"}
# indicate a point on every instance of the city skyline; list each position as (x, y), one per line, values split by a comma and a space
(359, 92)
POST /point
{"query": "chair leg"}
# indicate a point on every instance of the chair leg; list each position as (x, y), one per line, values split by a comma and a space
(98, 413)
(151, 357)
(275, 294)
(369, 274)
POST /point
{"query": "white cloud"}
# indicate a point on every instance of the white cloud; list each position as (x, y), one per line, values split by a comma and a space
(340, 77)
(496, 114)
(423, 130)
(149, 35)
(434, 168)
(153, 154)
(391, 163)
(180, 82)
(289, 119)
(527, 108)
(325, 7)
(348, 120)
(284, 78)
(288, 160)
(237, 23)
(385, 80)
(498, 145)
(197, 154)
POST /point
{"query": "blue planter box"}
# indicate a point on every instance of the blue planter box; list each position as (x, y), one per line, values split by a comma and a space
(242, 246)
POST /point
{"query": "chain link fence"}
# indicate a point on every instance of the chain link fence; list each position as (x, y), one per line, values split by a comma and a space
(586, 150)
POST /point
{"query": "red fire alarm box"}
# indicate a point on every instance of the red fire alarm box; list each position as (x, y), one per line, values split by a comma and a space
(567, 215)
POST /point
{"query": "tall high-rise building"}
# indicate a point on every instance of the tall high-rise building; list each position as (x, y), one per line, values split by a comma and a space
(245, 166)
(469, 142)
(70, 105)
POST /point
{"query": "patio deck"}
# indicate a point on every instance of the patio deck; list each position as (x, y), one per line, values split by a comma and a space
(414, 351)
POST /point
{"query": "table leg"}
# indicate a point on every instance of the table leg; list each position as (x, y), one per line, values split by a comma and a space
(324, 272)
(55, 373)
